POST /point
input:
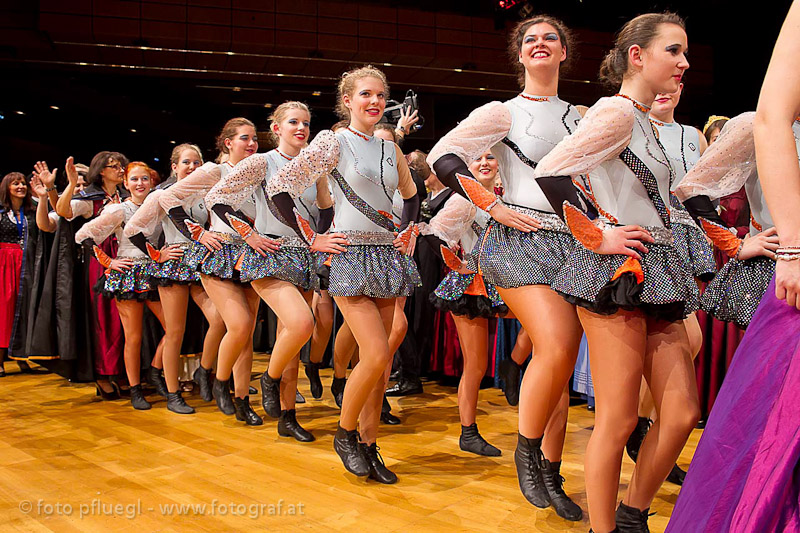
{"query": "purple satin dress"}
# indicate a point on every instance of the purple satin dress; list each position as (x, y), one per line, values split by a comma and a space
(744, 475)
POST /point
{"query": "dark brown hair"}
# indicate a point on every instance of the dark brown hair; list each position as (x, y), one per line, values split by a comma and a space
(339, 125)
(387, 127)
(228, 132)
(417, 161)
(100, 161)
(640, 30)
(518, 34)
(5, 186)
(716, 125)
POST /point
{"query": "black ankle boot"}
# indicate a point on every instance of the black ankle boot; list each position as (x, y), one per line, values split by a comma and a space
(636, 438)
(202, 377)
(632, 520)
(528, 460)
(156, 379)
(676, 475)
(337, 389)
(471, 441)
(312, 373)
(510, 373)
(271, 395)
(137, 398)
(245, 413)
(289, 427)
(377, 468)
(177, 404)
(553, 482)
(350, 451)
(223, 396)
(386, 414)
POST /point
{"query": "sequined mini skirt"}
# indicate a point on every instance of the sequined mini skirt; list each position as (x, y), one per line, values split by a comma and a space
(219, 263)
(734, 294)
(692, 245)
(182, 270)
(451, 295)
(668, 290)
(132, 284)
(511, 258)
(372, 267)
(292, 263)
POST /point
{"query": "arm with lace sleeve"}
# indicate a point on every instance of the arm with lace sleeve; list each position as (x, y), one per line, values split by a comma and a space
(187, 191)
(315, 161)
(236, 189)
(725, 166)
(451, 221)
(474, 136)
(100, 228)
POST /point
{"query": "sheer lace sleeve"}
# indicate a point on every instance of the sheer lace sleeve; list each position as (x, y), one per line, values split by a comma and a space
(601, 135)
(482, 129)
(192, 188)
(147, 219)
(452, 220)
(725, 166)
(104, 225)
(81, 208)
(238, 186)
(316, 160)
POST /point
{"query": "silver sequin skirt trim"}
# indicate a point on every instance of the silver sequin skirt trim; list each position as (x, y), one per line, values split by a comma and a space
(219, 263)
(374, 271)
(132, 284)
(510, 258)
(669, 290)
(734, 294)
(449, 296)
(550, 221)
(182, 270)
(692, 246)
(291, 264)
(371, 238)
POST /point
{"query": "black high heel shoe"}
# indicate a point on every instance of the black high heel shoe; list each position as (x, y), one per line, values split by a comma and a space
(106, 396)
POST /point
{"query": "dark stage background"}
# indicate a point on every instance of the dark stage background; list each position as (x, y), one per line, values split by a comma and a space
(80, 76)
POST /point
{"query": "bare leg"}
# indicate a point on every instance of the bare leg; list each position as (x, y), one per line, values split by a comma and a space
(343, 349)
(556, 430)
(292, 309)
(473, 335)
(670, 375)
(216, 326)
(617, 345)
(323, 313)
(174, 300)
(371, 321)
(523, 347)
(243, 367)
(130, 313)
(371, 413)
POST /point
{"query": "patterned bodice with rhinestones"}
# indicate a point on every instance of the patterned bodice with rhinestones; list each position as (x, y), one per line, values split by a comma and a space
(8, 226)
(367, 169)
(537, 125)
(682, 145)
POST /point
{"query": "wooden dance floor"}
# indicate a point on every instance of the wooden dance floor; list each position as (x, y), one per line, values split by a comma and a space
(71, 462)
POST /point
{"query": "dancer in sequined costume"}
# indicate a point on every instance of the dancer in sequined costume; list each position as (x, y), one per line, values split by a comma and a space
(683, 145)
(284, 278)
(128, 276)
(177, 279)
(726, 166)
(525, 243)
(370, 266)
(469, 299)
(233, 298)
(630, 284)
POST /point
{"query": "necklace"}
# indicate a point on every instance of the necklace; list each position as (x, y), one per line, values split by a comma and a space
(20, 222)
(358, 133)
(535, 98)
(641, 107)
(286, 157)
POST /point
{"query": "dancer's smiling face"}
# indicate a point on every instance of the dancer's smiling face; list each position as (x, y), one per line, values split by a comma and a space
(485, 170)
(542, 49)
(188, 161)
(294, 129)
(366, 103)
(243, 144)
